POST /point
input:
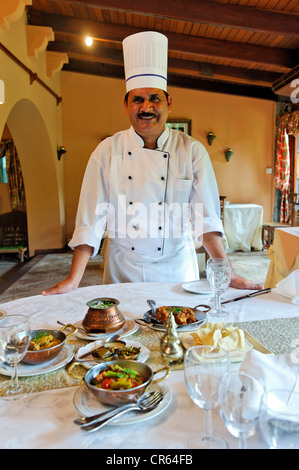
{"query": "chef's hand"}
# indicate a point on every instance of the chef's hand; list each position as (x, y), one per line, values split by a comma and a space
(61, 288)
(239, 282)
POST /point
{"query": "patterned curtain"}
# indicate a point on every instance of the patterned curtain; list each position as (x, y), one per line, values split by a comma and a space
(289, 125)
(14, 175)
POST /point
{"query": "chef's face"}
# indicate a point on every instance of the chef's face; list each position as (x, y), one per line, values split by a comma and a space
(147, 109)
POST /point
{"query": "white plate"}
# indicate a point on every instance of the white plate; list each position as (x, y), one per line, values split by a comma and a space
(129, 328)
(198, 287)
(87, 405)
(27, 370)
(143, 356)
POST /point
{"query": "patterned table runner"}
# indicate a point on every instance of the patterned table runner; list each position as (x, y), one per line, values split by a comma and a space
(279, 336)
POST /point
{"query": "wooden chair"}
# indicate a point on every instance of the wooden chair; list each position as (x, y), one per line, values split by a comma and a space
(268, 228)
(201, 249)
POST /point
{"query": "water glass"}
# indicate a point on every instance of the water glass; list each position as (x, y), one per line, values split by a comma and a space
(240, 397)
(279, 419)
(14, 343)
(219, 277)
(203, 368)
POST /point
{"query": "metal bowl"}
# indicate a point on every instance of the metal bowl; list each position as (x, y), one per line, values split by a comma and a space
(120, 397)
(103, 319)
(45, 355)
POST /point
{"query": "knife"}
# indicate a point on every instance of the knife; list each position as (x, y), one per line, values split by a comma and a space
(253, 294)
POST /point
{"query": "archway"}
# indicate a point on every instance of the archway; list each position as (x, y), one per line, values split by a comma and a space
(45, 216)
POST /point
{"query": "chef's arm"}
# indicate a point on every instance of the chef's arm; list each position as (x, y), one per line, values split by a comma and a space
(214, 246)
(81, 256)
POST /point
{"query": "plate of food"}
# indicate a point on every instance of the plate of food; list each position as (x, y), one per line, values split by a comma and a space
(232, 339)
(28, 370)
(201, 287)
(132, 350)
(186, 318)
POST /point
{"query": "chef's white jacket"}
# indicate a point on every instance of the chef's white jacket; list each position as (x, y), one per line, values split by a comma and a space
(152, 205)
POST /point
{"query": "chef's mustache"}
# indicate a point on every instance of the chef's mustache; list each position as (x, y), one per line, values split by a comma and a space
(146, 115)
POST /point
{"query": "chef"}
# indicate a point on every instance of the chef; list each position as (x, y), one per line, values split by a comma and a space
(150, 190)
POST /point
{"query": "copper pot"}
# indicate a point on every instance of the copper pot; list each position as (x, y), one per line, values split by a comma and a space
(103, 316)
(45, 355)
(120, 397)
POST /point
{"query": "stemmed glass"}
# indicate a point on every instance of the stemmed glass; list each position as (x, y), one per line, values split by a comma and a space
(240, 397)
(203, 368)
(14, 343)
(279, 419)
(219, 276)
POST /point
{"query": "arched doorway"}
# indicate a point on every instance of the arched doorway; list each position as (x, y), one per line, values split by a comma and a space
(45, 211)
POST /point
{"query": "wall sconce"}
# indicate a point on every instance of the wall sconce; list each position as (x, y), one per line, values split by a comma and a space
(228, 153)
(60, 151)
(2, 92)
(210, 137)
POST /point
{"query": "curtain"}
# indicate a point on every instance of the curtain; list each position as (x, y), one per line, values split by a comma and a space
(14, 175)
(289, 125)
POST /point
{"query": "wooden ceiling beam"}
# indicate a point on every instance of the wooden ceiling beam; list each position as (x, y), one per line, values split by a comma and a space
(100, 53)
(204, 84)
(206, 11)
(177, 42)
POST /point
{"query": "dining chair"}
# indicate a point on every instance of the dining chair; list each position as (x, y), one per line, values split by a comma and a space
(268, 228)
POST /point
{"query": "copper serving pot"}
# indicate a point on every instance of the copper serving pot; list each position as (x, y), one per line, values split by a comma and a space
(45, 355)
(120, 397)
(103, 319)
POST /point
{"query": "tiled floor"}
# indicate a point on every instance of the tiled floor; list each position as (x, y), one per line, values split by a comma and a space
(44, 271)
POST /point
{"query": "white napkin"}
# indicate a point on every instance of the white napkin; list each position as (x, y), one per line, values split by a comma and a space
(289, 287)
(274, 372)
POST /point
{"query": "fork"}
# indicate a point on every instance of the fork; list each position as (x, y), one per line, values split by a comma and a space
(106, 414)
(145, 405)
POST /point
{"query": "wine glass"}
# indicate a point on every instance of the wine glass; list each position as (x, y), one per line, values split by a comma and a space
(203, 368)
(14, 343)
(240, 397)
(279, 419)
(219, 276)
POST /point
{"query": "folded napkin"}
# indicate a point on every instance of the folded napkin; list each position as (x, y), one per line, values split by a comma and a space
(274, 372)
(289, 287)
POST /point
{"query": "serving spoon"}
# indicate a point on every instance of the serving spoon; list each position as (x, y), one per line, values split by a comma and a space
(152, 305)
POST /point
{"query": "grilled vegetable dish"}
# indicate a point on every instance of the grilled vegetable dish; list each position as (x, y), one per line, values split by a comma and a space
(117, 378)
(130, 352)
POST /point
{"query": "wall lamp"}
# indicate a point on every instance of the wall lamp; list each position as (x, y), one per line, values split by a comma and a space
(60, 151)
(228, 153)
(210, 137)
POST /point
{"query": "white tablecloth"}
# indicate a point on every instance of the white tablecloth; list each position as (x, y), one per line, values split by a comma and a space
(45, 419)
(243, 226)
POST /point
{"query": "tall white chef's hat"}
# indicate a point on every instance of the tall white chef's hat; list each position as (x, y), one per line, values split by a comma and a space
(145, 59)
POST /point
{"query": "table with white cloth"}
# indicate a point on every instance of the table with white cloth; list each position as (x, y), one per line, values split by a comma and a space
(44, 419)
(284, 255)
(243, 227)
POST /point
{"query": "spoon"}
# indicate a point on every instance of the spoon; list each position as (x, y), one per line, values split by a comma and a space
(152, 305)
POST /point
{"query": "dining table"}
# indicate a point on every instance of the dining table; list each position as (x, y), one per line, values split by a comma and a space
(243, 227)
(44, 419)
(283, 255)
